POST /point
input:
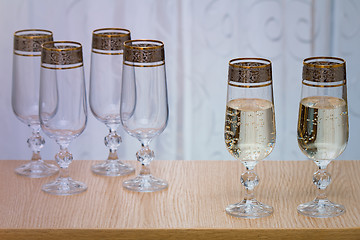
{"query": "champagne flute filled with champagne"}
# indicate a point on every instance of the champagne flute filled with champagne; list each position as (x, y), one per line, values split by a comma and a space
(249, 126)
(323, 129)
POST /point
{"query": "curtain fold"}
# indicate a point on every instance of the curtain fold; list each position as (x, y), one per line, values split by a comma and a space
(200, 38)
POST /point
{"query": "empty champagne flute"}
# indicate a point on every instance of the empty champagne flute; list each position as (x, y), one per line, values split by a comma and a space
(323, 128)
(25, 95)
(249, 127)
(105, 93)
(63, 111)
(144, 105)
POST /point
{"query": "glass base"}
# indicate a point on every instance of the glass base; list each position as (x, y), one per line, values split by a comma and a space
(64, 186)
(145, 183)
(249, 209)
(321, 208)
(112, 168)
(37, 169)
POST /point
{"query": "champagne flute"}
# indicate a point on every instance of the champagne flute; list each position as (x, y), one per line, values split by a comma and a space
(249, 126)
(144, 105)
(63, 111)
(323, 128)
(25, 95)
(105, 93)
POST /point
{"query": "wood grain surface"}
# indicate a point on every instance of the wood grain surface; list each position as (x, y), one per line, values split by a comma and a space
(191, 208)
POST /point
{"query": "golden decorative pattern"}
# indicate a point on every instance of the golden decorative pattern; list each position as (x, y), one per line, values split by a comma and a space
(30, 40)
(61, 53)
(324, 69)
(109, 39)
(144, 51)
(249, 70)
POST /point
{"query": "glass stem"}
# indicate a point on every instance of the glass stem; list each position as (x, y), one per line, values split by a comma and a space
(145, 156)
(63, 159)
(112, 141)
(250, 180)
(145, 170)
(113, 155)
(64, 172)
(249, 194)
(35, 143)
(321, 179)
(36, 156)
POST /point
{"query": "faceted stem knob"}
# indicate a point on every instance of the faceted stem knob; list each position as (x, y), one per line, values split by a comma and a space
(249, 179)
(321, 179)
(64, 158)
(36, 142)
(112, 141)
(145, 155)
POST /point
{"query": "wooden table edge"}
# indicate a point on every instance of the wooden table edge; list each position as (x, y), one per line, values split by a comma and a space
(191, 233)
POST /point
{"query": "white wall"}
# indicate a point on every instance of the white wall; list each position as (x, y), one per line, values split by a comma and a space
(200, 38)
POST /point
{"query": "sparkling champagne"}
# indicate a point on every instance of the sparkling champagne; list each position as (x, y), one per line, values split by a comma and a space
(323, 127)
(250, 128)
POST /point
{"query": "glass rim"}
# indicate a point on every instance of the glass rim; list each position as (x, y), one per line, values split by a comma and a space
(161, 44)
(76, 46)
(309, 64)
(49, 33)
(120, 34)
(264, 65)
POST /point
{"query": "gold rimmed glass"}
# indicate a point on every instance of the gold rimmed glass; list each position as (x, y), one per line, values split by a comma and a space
(105, 93)
(62, 107)
(323, 128)
(249, 127)
(25, 95)
(144, 105)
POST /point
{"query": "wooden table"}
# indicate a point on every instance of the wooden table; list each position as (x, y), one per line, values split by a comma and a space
(191, 208)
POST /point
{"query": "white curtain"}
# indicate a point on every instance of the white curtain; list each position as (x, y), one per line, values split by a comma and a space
(200, 38)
